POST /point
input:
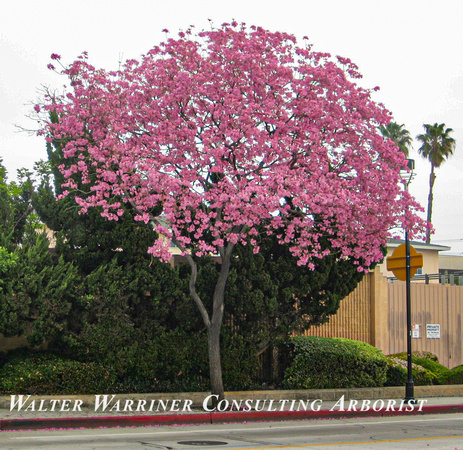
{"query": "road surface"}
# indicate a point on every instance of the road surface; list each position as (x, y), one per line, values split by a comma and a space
(444, 431)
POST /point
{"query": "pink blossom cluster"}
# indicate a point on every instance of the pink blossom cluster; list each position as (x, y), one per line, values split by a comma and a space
(232, 133)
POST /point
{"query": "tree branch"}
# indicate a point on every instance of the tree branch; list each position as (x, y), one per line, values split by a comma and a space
(192, 285)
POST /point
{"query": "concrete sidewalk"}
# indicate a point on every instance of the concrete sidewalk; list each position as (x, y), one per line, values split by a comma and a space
(45, 412)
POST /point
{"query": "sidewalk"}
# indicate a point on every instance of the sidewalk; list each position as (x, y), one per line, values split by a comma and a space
(45, 412)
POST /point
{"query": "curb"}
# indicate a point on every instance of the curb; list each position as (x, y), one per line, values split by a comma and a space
(304, 394)
(210, 418)
(229, 417)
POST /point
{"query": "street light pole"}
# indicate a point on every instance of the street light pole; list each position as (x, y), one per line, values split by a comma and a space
(409, 387)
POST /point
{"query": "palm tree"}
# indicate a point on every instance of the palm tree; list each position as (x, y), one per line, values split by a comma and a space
(436, 147)
(399, 135)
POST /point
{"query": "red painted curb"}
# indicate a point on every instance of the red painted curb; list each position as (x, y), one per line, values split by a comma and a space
(104, 422)
(204, 418)
(241, 416)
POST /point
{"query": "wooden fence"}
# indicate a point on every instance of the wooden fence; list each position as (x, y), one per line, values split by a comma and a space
(353, 319)
(375, 312)
(436, 312)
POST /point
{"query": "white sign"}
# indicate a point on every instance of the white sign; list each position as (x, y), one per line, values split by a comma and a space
(432, 331)
(415, 331)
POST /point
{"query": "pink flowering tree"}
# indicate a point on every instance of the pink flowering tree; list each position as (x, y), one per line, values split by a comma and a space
(218, 137)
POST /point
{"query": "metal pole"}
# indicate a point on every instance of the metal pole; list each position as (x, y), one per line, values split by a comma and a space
(409, 387)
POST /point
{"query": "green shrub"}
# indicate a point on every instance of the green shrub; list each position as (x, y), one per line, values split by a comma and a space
(171, 361)
(39, 373)
(417, 354)
(240, 363)
(453, 376)
(86, 378)
(426, 360)
(176, 361)
(397, 374)
(329, 363)
(437, 369)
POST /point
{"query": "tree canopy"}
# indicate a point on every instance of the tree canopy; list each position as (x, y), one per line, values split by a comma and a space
(35, 293)
(399, 135)
(230, 130)
(436, 146)
(225, 137)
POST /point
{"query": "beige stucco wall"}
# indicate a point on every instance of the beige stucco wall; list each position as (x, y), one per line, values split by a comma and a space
(451, 262)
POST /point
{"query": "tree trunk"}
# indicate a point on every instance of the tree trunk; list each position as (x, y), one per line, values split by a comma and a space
(215, 363)
(213, 330)
(432, 179)
(213, 323)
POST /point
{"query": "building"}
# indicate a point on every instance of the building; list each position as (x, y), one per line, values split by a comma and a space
(451, 264)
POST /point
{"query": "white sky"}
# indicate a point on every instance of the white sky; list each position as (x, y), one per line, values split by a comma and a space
(412, 49)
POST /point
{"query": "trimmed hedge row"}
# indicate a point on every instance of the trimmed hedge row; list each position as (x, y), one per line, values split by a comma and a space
(330, 363)
(322, 363)
(45, 373)
(178, 366)
(426, 370)
(454, 376)
(306, 363)
(397, 374)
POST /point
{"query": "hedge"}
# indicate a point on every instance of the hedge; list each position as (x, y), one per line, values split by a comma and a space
(397, 374)
(330, 363)
(426, 369)
(40, 373)
(176, 362)
(453, 376)
(417, 354)
(437, 369)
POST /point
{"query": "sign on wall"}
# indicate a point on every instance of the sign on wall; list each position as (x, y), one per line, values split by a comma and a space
(415, 331)
(432, 331)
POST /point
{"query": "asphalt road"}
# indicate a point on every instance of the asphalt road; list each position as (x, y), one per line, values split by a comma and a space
(412, 432)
